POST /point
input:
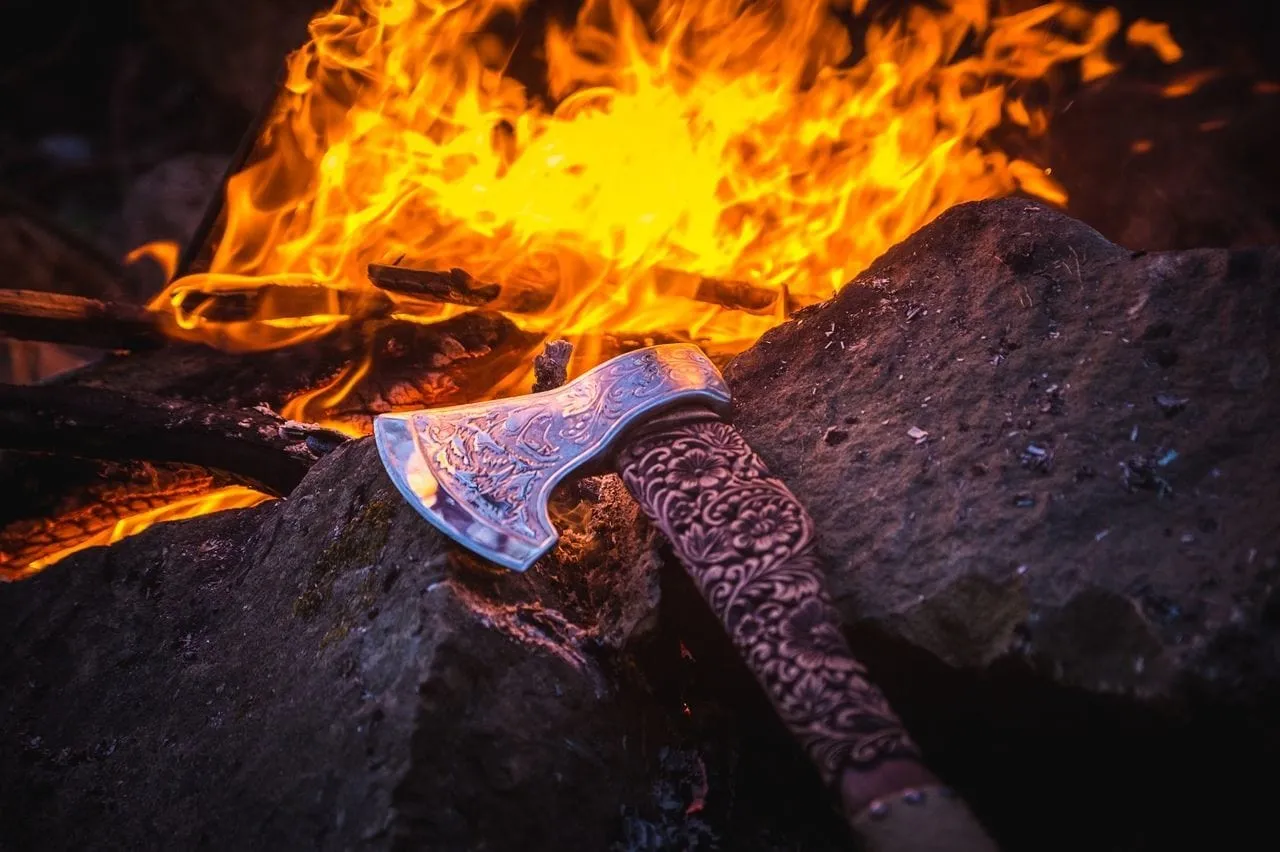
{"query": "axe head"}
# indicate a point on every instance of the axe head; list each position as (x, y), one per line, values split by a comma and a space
(482, 473)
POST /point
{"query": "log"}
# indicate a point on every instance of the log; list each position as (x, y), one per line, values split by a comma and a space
(77, 320)
(454, 286)
(254, 445)
(459, 287)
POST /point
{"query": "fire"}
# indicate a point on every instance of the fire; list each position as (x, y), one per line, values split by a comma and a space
(187, 506)
(745, 142)
(665, 143)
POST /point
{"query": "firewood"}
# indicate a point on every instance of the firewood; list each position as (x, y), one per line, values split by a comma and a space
(457, 286)
(254, 445)
(77, 320)
(454, 286)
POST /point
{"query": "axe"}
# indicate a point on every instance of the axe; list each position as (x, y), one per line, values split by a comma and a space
(482, 474)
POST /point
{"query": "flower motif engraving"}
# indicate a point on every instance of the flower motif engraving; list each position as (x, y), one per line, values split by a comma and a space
(698, 470)
(763, 528)
(748, 544)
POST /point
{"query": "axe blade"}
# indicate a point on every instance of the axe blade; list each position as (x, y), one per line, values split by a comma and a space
(483, 473)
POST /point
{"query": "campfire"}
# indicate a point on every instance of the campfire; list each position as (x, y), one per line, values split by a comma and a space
(641, 425)
(666, 171)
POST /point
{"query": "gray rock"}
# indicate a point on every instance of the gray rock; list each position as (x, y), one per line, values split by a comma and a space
(1056, 511)
(314, 673)
(1041, 470)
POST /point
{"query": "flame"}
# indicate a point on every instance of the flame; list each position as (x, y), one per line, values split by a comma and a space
(752, 143)
(668, 143)
(190, 506)
(1156, 36)
(164, 253)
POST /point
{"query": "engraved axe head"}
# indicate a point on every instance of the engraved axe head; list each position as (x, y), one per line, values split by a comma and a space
(482, 473)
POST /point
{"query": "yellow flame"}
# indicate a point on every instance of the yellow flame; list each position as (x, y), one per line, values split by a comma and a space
(230, 497)
(750, 143)
(164, 253)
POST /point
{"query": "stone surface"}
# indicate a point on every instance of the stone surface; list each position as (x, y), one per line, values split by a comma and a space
(1018, 439)
(311, 674)
(1041, 468)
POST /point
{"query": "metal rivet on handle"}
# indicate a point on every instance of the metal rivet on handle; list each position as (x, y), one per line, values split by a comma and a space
(878, 809)
(913, 797)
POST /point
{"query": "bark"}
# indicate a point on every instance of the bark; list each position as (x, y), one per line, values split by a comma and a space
(254, 445)
(76, 320)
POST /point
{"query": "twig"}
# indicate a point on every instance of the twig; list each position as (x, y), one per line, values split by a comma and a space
(59, 318)
(255, 445)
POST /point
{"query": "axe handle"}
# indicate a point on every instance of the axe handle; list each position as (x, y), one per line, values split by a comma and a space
(749, 545)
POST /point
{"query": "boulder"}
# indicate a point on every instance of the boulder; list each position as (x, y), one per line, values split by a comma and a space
(1040, 466)
(314, 673)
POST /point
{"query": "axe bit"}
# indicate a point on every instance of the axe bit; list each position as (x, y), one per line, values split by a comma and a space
(482, 474)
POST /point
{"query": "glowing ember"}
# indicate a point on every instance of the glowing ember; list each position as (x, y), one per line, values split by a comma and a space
(188, 505)
(741, 142)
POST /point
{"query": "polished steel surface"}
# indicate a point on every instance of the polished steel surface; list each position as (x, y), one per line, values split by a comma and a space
(482, 473)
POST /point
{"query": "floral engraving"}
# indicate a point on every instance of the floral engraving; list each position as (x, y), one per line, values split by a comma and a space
(749, 545)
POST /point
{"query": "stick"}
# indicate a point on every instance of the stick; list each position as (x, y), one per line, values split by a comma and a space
(454, 286)
(457, 286)
(255, 445)
(77, 320)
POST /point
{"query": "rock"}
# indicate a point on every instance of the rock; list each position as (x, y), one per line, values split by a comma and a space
(315, 673)
(1055, 502)
(1058, 525)
(1065, 582)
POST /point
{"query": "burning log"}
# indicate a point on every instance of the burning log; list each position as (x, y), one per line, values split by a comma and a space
(456, 286)
(256, 446)
(77, 320)
(115, 500)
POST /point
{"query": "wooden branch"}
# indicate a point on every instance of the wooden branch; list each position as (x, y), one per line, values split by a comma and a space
(454, 286)
(77, 320)
(254, 445)
(457, 286)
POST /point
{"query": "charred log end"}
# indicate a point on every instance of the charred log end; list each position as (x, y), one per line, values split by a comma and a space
(77, 320)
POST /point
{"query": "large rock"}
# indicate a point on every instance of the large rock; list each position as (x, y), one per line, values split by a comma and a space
(315, 673)
(1018, 439)
(1065, 586)
(1045, 467)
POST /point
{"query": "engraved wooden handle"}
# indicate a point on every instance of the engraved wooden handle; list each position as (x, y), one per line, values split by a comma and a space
(749, 545)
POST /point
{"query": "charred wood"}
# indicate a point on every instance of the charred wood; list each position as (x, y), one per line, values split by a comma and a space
(254, 445)
(459, 287)
(77, 320)
(94, 498)
(551, 368)
(454, 286)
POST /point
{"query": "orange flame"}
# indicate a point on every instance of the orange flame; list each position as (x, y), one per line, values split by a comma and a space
(229, 497)
(163, 253)
(744, 142)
